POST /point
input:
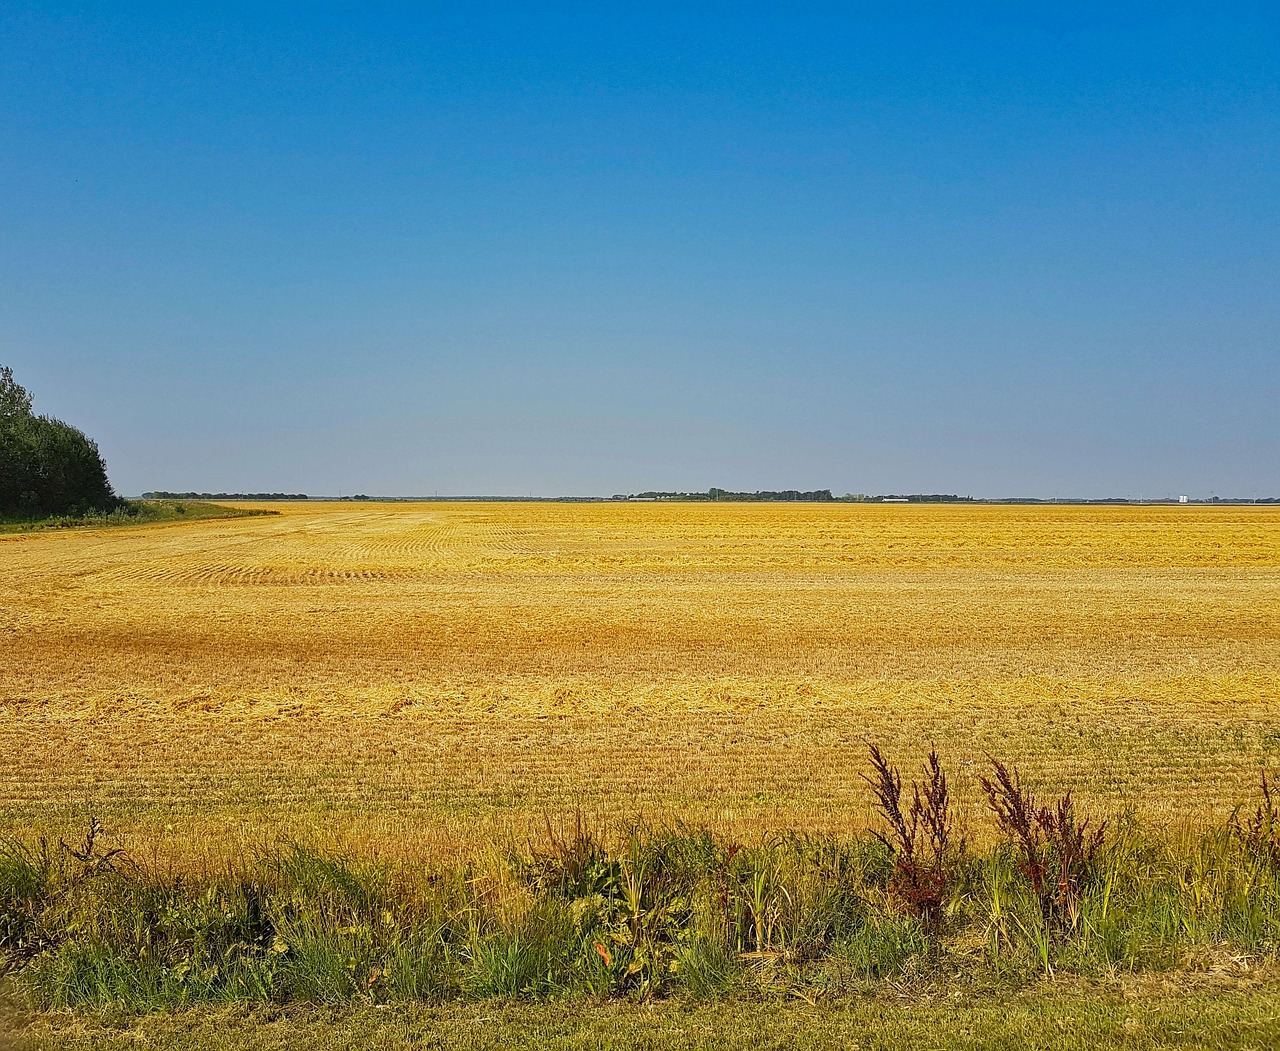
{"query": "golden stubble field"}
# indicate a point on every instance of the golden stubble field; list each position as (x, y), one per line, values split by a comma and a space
(422, 677)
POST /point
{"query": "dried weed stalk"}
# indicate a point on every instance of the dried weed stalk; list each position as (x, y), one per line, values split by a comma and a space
(1058, 852)
(927, 861)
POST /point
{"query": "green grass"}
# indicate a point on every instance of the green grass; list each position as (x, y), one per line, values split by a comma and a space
(1135, 1014)
(658, 914)
(131, 513)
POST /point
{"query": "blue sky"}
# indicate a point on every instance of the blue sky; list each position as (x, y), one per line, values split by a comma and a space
(557, 249)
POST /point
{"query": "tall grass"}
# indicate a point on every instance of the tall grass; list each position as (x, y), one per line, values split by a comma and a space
(635, 913)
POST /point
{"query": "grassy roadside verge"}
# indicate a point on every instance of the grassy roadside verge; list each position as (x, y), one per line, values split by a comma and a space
(1060, 934)
(662, 914)
(132, 513)
(1215, 1012)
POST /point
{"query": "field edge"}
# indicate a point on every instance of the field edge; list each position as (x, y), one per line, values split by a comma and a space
(1240, 1011)
(131, 514)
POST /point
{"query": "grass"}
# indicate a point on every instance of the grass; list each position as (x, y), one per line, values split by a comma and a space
(1238, 1013)
(129, 513)
(638, 914)
(657, 938)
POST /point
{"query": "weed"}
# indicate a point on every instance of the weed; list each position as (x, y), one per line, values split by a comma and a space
(1058, 852)
(93, 858)
(574, 864)
(926, 860)
(1259, 832)
(26, 883)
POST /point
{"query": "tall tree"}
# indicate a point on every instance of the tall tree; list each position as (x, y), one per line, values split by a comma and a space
(46, 466)
(15, 402)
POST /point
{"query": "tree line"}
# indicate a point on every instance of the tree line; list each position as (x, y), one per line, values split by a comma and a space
(762, 496)
(162, 494)
(47, 467)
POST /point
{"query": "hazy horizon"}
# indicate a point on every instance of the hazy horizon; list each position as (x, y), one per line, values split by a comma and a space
(837, 496)
(584, 252)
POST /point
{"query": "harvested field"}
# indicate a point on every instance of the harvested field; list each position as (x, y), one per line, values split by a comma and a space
(419, 677)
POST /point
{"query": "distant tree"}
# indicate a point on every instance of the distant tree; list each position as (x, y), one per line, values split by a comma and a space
(47, 467)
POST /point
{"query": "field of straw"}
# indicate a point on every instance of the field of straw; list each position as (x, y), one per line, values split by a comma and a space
(412, 678)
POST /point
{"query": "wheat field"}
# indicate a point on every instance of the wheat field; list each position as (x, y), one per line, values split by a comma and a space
(413, 678)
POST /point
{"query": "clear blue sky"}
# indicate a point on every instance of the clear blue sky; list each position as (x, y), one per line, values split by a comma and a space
(608, 248)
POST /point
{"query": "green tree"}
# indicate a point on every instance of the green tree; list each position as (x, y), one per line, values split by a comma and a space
(47, 467)
(15, 402)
